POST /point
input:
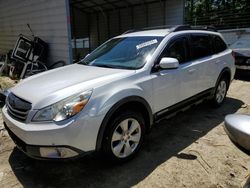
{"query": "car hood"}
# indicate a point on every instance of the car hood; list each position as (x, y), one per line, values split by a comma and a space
(51, 86)
(242, 52)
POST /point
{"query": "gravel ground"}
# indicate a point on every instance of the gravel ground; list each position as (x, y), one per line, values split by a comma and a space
(189, 150)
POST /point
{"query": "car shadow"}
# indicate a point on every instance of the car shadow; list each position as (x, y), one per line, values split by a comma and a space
(167, 139)
(244, 76)
(1, 104)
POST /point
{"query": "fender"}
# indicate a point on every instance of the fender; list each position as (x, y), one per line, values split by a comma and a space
(113, 110)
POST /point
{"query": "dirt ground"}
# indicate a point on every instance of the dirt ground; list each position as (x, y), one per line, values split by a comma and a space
(189, 150)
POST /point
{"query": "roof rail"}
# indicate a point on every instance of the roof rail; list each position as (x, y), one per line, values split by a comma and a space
(188, 27)
(175, 28)
(149, 28)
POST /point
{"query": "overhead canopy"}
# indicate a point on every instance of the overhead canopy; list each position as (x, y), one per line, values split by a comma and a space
(91, 6)
(95, 21)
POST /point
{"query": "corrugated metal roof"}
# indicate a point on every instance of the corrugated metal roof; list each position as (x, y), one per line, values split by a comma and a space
(90, 6)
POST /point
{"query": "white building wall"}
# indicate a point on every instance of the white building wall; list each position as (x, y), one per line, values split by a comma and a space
(47, 18)
(232, 35)
(174, 12)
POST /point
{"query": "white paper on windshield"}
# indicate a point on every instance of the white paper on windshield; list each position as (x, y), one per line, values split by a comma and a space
(145, 44)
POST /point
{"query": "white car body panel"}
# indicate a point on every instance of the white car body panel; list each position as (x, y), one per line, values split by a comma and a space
(159, 89)
(51, 86)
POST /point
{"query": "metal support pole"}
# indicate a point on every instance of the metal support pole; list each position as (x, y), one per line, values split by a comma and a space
(98, 28)
(164, 12)
(73, 28)
(119, 20)
(108, 24)
(146, 9)
(89, 17)
(132, 18)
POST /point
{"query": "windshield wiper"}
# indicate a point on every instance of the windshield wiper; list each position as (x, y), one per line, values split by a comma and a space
(105, 66)
(115, 67)
(82, 62)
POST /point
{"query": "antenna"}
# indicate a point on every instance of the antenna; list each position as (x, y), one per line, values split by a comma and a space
(31, 30)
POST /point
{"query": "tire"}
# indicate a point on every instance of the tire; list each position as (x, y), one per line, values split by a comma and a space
(220, 92)
(124, 137)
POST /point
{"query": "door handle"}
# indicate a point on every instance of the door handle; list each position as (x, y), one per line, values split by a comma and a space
(217, 61)
(191, 71)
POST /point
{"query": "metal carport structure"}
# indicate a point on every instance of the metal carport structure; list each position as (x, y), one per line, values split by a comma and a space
(95, 21)
(81, 25)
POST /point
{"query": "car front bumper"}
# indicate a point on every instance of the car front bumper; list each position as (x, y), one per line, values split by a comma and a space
(73, 139)
(243, 67)
(43, 152)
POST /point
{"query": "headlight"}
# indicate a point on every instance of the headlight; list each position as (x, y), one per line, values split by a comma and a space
(63, 109)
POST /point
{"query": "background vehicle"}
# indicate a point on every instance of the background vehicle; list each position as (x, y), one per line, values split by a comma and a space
(110, 99)
(237, 127)
(242, 54)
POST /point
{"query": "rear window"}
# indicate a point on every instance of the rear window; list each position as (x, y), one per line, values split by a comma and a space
(219, 45)
(201, 46)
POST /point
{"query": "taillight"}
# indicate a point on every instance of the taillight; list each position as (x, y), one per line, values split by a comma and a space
(233, 54)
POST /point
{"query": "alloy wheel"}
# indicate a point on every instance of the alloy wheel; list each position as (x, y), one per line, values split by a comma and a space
(221, 91)
(126, 138)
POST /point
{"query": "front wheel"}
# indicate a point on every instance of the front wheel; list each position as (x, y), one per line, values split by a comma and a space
(220, 92)
(124, 136)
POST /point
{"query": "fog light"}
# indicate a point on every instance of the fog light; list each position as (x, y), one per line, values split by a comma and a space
(57, 152)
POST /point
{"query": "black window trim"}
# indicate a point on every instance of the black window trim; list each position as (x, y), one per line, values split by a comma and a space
(168, 43)
(191, 49)
(213, 43)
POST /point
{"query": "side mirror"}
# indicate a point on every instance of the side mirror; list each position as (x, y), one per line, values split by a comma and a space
(169, 63)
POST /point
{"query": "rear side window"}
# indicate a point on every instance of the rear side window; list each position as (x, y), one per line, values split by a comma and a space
(219, 45)
(201, 46)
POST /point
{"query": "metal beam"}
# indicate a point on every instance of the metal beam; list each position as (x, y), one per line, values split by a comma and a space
(111, 3)
(91, 1)
(86, 8)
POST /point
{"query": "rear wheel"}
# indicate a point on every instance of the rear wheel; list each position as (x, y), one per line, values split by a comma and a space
(124, 137)
(220, 92)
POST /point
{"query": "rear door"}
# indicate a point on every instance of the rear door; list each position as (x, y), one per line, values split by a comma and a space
(202, 60)
(220, 58)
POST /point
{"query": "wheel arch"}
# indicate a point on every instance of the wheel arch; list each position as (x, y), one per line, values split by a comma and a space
(226, 72)
(133, 102)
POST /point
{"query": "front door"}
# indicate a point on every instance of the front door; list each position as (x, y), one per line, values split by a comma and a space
(174, 85)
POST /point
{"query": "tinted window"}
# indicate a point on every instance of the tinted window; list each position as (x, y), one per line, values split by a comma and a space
(219, 45)
(178, 49)
(201, 46)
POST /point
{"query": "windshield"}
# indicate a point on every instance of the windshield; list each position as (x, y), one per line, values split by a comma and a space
(123, 53)
(241, 44)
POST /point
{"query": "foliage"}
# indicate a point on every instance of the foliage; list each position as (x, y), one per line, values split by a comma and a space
(221, 13)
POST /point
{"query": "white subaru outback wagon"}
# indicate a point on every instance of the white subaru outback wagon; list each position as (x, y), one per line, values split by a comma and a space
(111, 98)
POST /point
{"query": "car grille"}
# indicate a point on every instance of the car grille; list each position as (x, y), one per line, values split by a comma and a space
(17, 107)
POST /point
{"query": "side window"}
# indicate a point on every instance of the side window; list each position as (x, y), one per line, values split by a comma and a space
(201, 46)
(178, 49)
(219, 45)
